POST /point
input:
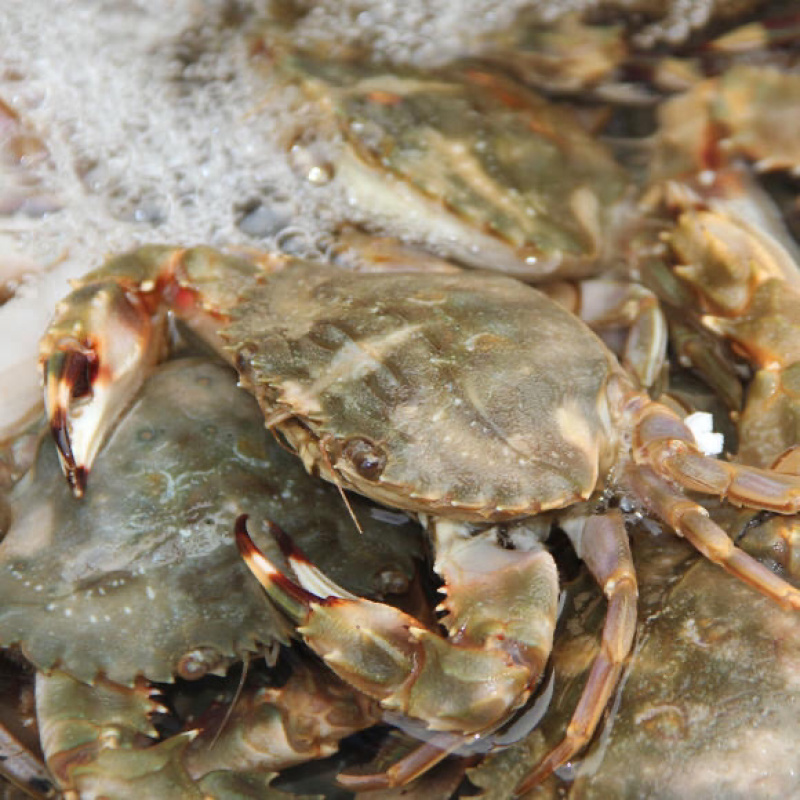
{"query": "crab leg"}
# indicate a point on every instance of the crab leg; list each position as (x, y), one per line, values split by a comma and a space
(691, 520)
(663, 442)
(111, 329)
(419, 761)
(466, 684)
(601, 542)
(664, 454)
(276, 728)
(608, 305)
(692, 344)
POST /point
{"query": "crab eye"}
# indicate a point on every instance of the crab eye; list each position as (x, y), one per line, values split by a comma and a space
(367, 458)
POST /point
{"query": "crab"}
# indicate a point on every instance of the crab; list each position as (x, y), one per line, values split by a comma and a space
(464, 161)
(471, 400)
(489, 171)
(740, 283)
(103, 598)
(702, 689)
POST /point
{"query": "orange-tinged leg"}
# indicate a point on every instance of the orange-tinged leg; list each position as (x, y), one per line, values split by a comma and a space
(403, 771)
(691, 520)
(602, 544)
(663, 443)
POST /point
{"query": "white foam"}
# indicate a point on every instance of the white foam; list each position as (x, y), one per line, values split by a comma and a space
(160, 128)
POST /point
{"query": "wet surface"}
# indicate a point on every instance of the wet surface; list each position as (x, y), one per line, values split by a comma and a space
(706, 708)
(142, 576)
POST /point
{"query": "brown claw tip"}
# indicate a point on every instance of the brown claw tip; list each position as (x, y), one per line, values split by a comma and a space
(287, 546)
(58, 428)
(268, 575)
(243, 540)
(69, 374)
(77, 477)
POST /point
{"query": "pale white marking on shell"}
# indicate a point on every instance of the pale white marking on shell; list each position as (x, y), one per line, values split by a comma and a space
(575, 430)
(353, 361)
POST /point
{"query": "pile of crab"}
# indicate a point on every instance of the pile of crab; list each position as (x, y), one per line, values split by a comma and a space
(231, 581)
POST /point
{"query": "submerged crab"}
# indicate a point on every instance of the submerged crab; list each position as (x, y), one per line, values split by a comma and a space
(470, 399)
(142, 580)
(463, 161)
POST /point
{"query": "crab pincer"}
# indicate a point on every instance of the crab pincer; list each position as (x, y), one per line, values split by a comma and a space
(457, 687)
(110, 332)
(490, 412)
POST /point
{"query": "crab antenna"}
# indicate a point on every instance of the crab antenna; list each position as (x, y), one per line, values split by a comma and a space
(338, 485)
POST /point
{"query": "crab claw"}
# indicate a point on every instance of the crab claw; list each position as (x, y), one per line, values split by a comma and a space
(291, 599)
(391, 656)
(94, 359)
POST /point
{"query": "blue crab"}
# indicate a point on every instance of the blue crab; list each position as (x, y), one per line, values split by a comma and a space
(471, 400)
(103, 596)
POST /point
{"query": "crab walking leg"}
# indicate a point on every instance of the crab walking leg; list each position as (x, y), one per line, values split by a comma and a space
(601, 542)
(691, 520)
(605, 304)
(419, 761)
(692, 344)
(111, 329)
(466, 685)
(664, 454)
(663, 442)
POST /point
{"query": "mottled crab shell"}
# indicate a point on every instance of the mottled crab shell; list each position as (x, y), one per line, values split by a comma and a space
(142, 576)
(468, 395)
(466, 161)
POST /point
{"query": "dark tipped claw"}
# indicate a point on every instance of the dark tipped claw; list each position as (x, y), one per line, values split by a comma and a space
(287, 546)
(77, 477)
(68, 375)
(292, 599)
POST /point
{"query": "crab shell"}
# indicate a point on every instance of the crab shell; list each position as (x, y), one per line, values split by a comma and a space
(142, 576)
(463, 161)
(399, 385)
